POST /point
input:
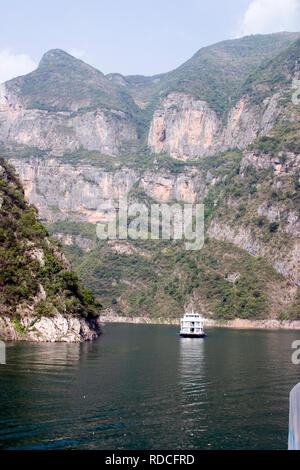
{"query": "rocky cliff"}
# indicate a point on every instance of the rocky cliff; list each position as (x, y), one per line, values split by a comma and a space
(188, 129)
(203, 107)
(41, 299)
(75, 191)
(100, 129)
(221, 129)
(65, 105)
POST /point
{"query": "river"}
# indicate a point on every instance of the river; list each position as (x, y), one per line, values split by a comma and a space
(144, 387)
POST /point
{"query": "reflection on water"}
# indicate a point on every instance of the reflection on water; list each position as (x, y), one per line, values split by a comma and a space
(144, 387)
(192, 358)
(47, 356)
(193, 386)
(192, 374)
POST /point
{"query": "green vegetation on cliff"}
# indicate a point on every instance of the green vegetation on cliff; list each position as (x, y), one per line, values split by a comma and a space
(156, 278)
(159, 278)
(273, 75)
(63, 83)
(284, 137)
(215, 73)
(251, 197)
(34, 274)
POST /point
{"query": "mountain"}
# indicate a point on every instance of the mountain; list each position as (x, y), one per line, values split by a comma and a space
(187, 128)
(66, 105)
(214, 74)
(222, 129)
(64, 83)
(41, 298)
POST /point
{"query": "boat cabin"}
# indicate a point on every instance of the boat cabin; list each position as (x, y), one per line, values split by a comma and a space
(192, 325)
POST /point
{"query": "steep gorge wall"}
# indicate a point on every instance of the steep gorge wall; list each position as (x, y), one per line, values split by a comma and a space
(61, 132)
(285, 258)
(76, 191)
(181, 126)
(282, 252)
(187, 129)
(66, 191)
(41, 299)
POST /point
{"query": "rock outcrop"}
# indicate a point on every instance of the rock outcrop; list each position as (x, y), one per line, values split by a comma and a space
(286, 260)
(76, 191)
(63, 131)
(66, 191)
(41, 299)
(183, 127)
(188, 129)
(59, 328)
(205, 106)
(61, 124)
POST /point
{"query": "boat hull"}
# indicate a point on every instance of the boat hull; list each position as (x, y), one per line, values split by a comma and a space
(191, 335)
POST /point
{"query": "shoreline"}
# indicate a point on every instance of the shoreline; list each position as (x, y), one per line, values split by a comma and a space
(56, 329)
(237, 323)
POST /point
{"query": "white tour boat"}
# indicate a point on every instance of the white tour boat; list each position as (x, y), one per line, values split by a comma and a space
(191, 325)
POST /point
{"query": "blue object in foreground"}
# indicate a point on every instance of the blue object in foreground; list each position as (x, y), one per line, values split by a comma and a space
(294, 419)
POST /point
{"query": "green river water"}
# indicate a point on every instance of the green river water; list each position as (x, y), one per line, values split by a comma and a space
(144, 387)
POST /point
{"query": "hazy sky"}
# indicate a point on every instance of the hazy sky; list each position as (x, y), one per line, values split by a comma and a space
(131, 36)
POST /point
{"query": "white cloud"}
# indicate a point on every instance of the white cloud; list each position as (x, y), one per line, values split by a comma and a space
(12, 65)
(269, 16)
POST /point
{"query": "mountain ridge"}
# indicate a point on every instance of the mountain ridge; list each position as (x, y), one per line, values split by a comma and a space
(66, 104)
(236, 46)
(241, 161)
(62, 82)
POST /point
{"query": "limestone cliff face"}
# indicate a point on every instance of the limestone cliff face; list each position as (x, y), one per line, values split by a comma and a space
(185, 186)
(101, 129)
(183, 127)
(65, 104)
(283, 255)
(289, 166)
(286, 260)
(41, 299)
(58, 328)
(66, 191)
(187, 129)
(77, 191)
